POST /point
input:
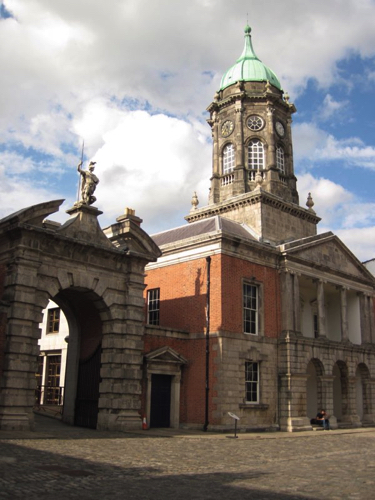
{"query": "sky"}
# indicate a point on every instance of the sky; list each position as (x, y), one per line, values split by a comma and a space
(132, 80)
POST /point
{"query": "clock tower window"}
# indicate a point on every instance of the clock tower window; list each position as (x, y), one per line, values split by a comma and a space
(228, 159)
(256, 155)
(280, 159)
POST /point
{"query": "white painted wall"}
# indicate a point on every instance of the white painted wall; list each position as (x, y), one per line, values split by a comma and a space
(54, 343)
(354, 319)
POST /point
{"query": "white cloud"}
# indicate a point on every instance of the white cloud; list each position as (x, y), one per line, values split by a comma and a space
(151, 163)
(331, 200)
(81, 70)
(16, 193)
(361, 241)
(343, 213)
(313, 144)
(331, 107)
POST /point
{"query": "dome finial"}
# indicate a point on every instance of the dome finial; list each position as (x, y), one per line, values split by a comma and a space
(247, 29)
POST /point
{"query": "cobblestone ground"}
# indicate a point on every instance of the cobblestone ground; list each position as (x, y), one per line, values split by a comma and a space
(59, 462)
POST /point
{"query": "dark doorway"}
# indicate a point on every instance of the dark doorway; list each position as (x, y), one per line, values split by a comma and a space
(160, 401)
(86, 409)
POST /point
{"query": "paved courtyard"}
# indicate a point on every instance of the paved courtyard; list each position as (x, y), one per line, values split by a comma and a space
(60, 462)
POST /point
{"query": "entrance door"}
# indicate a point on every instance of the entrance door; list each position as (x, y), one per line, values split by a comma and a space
(86, 410)
(160, 401)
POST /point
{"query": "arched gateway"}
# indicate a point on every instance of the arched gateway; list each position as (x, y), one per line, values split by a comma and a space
(98, 281)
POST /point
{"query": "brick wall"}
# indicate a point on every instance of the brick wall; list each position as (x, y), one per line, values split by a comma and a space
(183, 294)
(192, 393)
(234, 271)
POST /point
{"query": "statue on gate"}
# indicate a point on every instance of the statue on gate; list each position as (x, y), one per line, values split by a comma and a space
(89, 183)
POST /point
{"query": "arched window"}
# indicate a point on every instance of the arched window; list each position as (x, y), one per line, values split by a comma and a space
(256, 156)
(228, 159)
(280, 162)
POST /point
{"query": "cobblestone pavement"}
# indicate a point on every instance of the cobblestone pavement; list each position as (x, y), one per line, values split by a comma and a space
(60, 462)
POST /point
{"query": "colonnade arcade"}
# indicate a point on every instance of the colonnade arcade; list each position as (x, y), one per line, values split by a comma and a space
(326, 350)
(317, 308)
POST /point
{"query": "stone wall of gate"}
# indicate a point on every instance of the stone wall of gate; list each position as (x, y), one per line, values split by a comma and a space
(42, 263)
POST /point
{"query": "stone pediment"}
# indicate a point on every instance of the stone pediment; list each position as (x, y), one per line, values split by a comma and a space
(33, 215)
(165, 355)
(326, 252)
(128, 236)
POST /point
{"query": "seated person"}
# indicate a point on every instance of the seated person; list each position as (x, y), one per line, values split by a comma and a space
(322, 419)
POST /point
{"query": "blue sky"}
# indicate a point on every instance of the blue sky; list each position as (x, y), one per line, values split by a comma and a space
(133, 79)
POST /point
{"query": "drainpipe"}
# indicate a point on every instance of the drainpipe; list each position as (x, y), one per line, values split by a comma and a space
(208, 260)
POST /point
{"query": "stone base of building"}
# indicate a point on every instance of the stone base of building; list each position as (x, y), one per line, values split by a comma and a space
(16, 421)
(348, 421)
(228, 429)
(295, 424)
(125, 421)
(368, 420)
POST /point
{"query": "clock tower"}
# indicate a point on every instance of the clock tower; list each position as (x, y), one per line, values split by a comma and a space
(253, 179)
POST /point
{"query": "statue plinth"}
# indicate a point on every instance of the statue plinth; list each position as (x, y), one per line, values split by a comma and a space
(83, 224)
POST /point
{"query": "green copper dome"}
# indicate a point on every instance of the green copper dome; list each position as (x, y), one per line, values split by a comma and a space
(249, 68)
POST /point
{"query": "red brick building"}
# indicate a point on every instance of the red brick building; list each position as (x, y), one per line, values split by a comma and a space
(291, 313)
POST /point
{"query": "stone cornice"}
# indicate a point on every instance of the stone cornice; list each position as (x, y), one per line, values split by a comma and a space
(256, 96)
(252, 198)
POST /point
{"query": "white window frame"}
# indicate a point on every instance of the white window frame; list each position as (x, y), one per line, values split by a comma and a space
(228, 158)
(256, 157)
(250, 308)
(252, 382)
(153, 306)
(280, 159)
(53, 320)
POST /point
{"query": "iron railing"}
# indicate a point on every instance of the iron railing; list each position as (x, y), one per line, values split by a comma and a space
(49, 395)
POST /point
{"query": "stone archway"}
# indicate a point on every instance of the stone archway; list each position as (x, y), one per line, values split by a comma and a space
(314, 396)
(86, 313)
(74, 264)
(363, 394)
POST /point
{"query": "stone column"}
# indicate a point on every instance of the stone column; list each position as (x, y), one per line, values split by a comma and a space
(321, 309)
(365, 319)
(344, 314)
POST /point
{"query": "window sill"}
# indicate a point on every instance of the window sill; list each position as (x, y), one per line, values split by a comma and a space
(254, 406)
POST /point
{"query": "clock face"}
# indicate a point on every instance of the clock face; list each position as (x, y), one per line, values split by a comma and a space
(280, 129)
(227, 128)
(255, 122)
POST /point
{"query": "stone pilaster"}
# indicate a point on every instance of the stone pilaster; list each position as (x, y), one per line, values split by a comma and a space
(293, 403)
(17, 394)
(287, 302)
(350, 416)
(271, 153)
(240, 172)
(297, 304)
